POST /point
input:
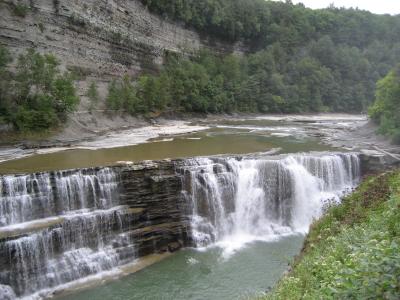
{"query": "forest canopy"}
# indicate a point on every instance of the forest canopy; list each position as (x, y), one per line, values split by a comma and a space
(297, 59)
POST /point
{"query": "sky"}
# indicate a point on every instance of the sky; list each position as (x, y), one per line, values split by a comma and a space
(375, 6)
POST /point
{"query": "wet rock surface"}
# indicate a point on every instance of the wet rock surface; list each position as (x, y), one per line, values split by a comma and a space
(62, 226)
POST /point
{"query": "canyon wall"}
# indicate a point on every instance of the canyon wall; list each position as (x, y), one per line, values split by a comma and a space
(100, 39)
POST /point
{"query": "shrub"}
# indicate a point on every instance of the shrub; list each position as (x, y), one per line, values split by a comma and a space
(386, 109)
(93, 95)
(122, 96)
(37, 96)
(20, 10)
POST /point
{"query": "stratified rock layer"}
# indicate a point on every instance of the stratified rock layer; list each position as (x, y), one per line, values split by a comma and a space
(62, 226)
(98, 38)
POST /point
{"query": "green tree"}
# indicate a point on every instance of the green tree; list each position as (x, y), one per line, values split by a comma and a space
(5, 84)
(93, 95)
(386, 109)
(37, 96)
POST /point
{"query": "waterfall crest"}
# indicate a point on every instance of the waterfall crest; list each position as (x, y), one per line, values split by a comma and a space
(235, 201)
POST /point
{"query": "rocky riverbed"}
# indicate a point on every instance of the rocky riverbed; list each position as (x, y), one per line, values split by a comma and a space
(340, 131)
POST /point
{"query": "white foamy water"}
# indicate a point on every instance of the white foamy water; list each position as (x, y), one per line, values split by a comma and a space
(235, 202)
(64, 227)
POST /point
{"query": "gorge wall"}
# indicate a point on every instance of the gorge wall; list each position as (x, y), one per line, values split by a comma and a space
(100, 39)
(62, 226)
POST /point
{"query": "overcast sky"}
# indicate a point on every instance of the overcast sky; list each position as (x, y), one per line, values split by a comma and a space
(375, 6)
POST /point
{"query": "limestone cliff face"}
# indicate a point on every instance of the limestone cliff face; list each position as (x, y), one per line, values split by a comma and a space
(98, 40)
(102, 38)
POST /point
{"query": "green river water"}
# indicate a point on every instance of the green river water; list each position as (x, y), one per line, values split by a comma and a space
(206, 274)
(223, 137)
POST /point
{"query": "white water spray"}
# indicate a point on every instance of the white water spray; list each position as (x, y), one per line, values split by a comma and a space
(238, 201)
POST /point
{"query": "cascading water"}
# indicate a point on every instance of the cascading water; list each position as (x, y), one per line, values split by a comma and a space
(236, 201)
(69, 227)
(63, 227)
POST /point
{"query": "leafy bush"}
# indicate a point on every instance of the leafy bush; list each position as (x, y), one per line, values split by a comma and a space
(386, 109)
(122, 96)
(20, 10)
(77, 20)
(36, 96)
(93, 95)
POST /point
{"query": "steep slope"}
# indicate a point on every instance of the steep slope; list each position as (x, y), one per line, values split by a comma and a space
(97, 40)
(353, 251)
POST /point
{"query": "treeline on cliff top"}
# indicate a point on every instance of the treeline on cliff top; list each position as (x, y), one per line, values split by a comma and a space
(261, 23)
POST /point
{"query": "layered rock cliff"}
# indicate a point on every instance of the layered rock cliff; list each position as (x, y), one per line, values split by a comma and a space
(100, 39)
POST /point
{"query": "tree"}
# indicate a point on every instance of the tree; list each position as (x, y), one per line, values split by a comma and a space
(93, 95)
(386, 109)
(38, 96)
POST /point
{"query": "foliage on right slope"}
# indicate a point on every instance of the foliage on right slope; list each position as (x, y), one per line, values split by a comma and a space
(386, 109)
(353, 252)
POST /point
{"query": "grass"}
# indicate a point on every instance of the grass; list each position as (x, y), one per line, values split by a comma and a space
(353, 252)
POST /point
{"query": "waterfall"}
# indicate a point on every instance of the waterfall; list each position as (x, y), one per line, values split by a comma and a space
(64, 227)
(29, 197)
(68, 224)
(235, 201)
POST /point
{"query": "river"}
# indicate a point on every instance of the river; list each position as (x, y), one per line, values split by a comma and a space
(182, 139)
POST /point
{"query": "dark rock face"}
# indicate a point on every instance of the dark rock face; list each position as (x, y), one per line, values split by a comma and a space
(155, 190)
(373, 161)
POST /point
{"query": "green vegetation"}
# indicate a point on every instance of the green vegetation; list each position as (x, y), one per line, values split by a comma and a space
(20, 10)
(386, 109)
(267, 81)
(37, 96)
(93, 95)
(353, 252)
(262, 23)
(298, 59)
